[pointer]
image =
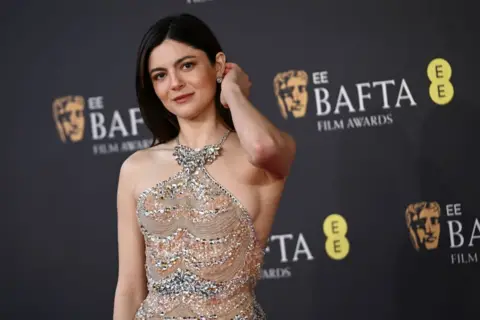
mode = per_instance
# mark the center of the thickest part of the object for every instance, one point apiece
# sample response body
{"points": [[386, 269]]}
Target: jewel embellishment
{"points": [[192, 159], [202, 258]]}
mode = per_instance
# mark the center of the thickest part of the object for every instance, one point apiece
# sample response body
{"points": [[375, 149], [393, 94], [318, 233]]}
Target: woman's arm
{"points": [[131, 285], [268, 147]]}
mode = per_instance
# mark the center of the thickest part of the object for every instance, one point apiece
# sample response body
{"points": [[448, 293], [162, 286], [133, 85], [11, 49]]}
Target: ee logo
{"points": [[439, 72], [337, 245]]}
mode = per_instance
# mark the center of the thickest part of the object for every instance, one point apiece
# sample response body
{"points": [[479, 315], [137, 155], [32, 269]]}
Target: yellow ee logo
{"points": [[337, 245], [439, 72]]}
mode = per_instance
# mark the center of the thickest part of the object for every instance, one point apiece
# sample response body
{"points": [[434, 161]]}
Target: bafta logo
{"points": [[290, 88], [423, 225], [68, 114]]}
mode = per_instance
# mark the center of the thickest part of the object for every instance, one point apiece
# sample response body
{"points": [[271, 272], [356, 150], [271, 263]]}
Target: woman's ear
{"points": [[220, 61]]}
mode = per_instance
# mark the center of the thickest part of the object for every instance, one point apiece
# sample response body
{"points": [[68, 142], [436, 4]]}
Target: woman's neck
{"points": [[197, 134]]}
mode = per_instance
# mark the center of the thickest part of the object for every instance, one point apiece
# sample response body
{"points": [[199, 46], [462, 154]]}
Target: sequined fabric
{"points": [[202, 256]]}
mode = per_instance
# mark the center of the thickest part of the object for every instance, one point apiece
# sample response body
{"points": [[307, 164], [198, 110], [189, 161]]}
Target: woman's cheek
{"points": [[161, 93]]}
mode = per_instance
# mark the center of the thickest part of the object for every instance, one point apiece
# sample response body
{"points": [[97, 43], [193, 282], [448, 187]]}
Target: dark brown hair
{"points": [[187, 29]]}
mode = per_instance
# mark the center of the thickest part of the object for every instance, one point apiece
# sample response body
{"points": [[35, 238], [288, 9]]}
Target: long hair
{"points": [[187, 29]]}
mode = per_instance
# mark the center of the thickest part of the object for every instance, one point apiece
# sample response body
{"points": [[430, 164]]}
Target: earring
{"points": [[219, 79]]}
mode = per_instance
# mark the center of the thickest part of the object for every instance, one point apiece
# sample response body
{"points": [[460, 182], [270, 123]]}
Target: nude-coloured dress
{"points": [[202, 256]]}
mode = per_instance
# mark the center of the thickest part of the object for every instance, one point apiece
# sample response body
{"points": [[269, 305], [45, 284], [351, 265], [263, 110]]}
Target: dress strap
{"points": [[192, 159], [220, 143]]}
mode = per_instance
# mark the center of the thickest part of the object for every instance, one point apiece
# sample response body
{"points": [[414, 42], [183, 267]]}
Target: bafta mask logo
{"points": [[423, 223], [291, 91], [68, 113]]}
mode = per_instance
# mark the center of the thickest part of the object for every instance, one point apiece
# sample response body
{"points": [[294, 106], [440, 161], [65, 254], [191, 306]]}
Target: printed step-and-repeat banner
{"points": [[380, 217]]}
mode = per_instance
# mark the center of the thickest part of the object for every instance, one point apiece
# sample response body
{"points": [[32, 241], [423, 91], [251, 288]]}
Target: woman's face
{"points": [[183, 78]]}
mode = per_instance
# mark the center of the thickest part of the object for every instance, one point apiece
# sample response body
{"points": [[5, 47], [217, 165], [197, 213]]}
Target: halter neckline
{"points": [[220, 143], [192, 159]]}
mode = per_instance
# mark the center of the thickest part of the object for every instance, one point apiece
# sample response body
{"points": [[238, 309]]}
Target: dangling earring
{"points": [[219, 79]]}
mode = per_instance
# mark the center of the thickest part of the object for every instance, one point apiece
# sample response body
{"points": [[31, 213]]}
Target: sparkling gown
{"points": [[202, 256]]}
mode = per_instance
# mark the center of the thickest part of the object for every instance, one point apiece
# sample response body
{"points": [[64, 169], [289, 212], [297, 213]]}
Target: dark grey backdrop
{"points": [[59, 221]]}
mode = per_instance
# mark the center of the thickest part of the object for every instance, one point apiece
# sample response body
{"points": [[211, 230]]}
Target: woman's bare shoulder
{"points": [[141, 160], [145, 168]]}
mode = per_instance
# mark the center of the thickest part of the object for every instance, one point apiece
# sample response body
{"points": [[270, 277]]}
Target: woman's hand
{"points": [[267, 147], [234, 78]]}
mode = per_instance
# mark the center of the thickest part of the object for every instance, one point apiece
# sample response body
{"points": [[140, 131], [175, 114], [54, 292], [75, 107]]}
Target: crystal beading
{"points": [[202, 255], [192, 159]]}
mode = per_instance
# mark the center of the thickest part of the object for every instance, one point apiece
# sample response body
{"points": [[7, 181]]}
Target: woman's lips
{"points": [[183, 98]]}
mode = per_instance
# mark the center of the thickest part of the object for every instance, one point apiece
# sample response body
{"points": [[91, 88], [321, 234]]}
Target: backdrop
{"points": [[380, 216]]}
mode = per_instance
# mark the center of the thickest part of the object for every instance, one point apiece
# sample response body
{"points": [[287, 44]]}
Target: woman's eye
{"points": [[159, 76], [188, 65]]}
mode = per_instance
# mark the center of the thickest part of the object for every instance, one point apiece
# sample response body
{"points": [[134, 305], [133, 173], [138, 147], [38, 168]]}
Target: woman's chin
{"points": [[189, 112]]}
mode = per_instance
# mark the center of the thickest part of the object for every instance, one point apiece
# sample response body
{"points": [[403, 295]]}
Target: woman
{"points": [[196, 208]]}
